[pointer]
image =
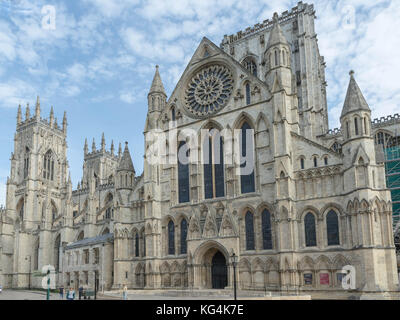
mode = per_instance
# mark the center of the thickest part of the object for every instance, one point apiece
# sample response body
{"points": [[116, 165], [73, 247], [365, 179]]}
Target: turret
{"points": [[125, 171], [156, 101], [112, 147], [358, 144], [93, 146], [119, 151], [278, 60]]}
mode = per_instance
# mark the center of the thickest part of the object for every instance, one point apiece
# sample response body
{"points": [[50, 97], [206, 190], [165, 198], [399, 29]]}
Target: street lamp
{"points": [[234, 260]]}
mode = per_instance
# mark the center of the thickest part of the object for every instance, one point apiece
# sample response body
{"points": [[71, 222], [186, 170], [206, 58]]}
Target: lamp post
{"points": [[30, 271], [234, 260], [48, 285]]}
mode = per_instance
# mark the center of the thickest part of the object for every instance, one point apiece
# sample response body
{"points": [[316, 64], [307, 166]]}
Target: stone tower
{"points": [[36, 189]]}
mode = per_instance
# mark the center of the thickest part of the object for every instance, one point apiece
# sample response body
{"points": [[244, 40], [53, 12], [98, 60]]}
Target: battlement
{"points": [[268, 24], [384, 121], [376, 123], [102, 151]]}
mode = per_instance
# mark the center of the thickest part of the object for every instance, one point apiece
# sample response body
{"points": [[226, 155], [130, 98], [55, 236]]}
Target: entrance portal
{"points": [[219, 271]]}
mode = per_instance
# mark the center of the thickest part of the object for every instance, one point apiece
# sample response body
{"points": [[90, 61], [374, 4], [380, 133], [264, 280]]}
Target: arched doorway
{"points": [[219, 271]]}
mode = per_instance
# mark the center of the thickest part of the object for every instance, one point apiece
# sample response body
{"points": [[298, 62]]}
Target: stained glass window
{"points": [[214, 182], [183, 172], [249, 221], [309, 225], [247, 159], [183, 236], [266, 230], [137, 245], [171, 237], [332, 227]]}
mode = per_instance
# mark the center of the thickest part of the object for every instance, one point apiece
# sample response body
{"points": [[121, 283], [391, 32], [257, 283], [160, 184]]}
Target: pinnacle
{"points": [[355, 100], [276, 35], [157, 85]]}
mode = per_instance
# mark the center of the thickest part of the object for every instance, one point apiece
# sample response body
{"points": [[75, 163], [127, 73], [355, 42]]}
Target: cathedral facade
{"points": [[239, 164]]}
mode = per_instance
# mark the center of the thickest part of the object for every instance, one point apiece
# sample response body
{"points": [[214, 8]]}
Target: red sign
{"points": [[324, 278]]}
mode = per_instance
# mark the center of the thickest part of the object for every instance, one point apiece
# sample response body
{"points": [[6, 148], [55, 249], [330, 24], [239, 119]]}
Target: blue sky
{"points": [[98, 62]]}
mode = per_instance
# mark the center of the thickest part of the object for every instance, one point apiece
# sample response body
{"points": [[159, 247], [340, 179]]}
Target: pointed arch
{"points": [[247, 161], [171, 238], [184, 231], [266, 228]]}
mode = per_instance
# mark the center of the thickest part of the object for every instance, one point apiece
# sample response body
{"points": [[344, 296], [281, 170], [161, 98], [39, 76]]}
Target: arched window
{"points": [[137, 243], [276, 58], [81, 236], [54, 212], [283, 57], [183, 236], [250, 65], [247, 183], [183, 172], [173, 115], [348, 129], [302, 163], [48, 166], [326, 161], [171, 237], [336, 147], [383, 139], [266, 230], [332, 228], [213, 150], [22, 210], [309, 228], [365, 125], [315, 162], [356, 126], [248, 94], [26, 163], [249, 222]]}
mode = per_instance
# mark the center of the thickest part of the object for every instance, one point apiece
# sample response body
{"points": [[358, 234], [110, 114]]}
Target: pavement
{"points": [[26, 295]]}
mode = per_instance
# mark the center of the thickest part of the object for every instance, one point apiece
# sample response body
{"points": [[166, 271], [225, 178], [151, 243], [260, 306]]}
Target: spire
{"points": [[93, 146], [51, 116], [37, 109], [126, 161], [112, 147], [157, 85], [64, 123], [355, 100], [276, 36], [55, 123], [119, 150], [19, 115], [103, 143], [27, 112], [85, 148]]}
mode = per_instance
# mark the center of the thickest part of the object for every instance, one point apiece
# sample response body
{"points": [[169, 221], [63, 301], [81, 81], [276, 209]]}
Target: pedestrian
{"points": [[125, 293], [71, 294], [62, 292], [80, 292]]}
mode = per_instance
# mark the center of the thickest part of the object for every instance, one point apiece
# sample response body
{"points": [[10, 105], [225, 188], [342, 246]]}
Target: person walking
{"points": [[125, 293], [71, 294], [80, 292], [61, 292]]}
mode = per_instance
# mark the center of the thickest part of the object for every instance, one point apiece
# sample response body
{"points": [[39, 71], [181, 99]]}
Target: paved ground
{"points": [[26, 295]]}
